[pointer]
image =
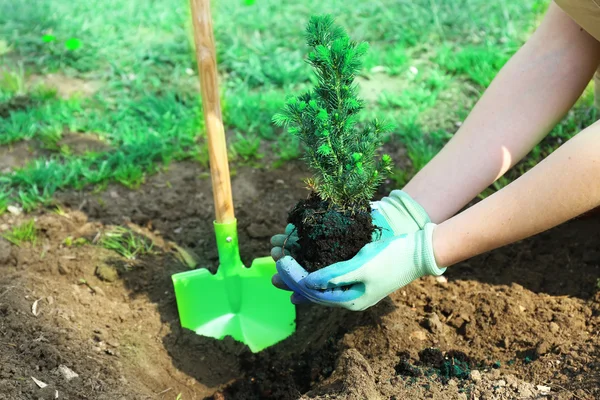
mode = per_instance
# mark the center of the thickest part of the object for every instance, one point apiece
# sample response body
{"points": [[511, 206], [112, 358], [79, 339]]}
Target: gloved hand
{"points": [[378, 269], [373, 273], [395, 214]]}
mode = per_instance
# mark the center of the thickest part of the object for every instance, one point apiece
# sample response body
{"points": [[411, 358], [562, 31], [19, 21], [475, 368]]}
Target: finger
{"points": [[290, 229], [347, 272], [278, 240], [321, 279], [277, 253], [291, 273], [336, 297], [297, 298], [279, 283], [281, 239]]}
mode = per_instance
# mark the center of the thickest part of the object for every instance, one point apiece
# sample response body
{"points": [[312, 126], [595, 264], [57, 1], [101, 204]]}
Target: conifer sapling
{"points": [[334, 223]]}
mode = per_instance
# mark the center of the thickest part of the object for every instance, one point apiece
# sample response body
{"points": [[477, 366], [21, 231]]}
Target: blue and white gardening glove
{"points": [[378, 269], [402, 255]]}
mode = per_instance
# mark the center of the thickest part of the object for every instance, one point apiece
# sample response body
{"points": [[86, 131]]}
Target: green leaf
{"points": [[280, 119], [356, 157], [322, 115], [48, 38], [72, 44], [324, 150]]}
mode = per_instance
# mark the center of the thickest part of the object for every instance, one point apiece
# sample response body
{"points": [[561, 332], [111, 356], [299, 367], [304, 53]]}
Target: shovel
{"points": [[236, 301]]}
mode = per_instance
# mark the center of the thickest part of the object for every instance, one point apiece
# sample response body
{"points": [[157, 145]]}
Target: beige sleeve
{"points": [[586, 13]]}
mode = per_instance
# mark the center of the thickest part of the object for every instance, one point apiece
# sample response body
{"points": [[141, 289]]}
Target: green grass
{"points": [[435, 58], [126, 243], [24, 233]]}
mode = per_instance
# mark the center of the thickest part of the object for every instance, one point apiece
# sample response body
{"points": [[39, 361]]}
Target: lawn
{"points": [[124, 76]]}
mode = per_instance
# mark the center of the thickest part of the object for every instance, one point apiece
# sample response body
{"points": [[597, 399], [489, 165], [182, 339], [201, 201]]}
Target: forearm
{"points": [[529, 96], [563, 186]]}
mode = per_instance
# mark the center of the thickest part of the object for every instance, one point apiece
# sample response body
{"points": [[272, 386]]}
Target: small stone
{"points": [[494, 374], [40, 384], [542, 348], [63, 269], [113, 194], [419, 335], [50, 300], [511, 381], [475, 375], [554, 328], [433, 323], [452, 382], [14, 210], [67, 372], [4, 227], [500, 383], [526, 390], [543, 389], [522, 308], [258, 231], [113, 343], [468, 331], [441, 279], [107, 273], [279, 181], [98, 291]]}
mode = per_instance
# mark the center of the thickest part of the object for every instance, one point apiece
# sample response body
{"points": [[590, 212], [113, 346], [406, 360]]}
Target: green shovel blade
{"points": [[236, 301]]}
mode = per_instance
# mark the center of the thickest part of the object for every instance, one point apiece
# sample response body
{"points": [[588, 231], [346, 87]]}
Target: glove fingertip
{"points": [[279, 283], [290, 267], [297, 299], [289, 229], [276, 253], [278, 240]]}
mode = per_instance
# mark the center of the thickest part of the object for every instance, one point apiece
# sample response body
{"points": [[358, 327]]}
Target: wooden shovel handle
{"points": [[211, 106]]}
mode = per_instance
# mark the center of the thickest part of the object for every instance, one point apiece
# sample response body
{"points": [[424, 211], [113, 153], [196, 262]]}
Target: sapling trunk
{"points": [[334, 223]]}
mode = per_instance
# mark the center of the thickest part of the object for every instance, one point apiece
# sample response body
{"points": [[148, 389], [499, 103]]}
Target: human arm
{"points": [[531, 93], [561, 187]]}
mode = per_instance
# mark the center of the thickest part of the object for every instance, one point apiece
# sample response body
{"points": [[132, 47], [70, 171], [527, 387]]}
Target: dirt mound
{"points": [[521, 322]]}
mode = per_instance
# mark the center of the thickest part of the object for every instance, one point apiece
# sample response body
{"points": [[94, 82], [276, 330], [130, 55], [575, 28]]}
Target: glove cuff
{"points": [[398, 208], [430, 267]]}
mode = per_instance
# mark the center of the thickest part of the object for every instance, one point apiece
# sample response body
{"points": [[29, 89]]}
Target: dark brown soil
{"points": [[327, 235], [506, 325]]}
